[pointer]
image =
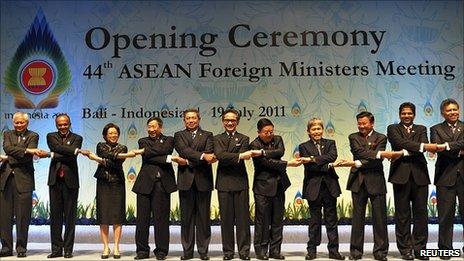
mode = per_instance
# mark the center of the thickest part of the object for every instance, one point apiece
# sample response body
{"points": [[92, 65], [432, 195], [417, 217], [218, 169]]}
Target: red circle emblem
{"points": [[37, 77]]}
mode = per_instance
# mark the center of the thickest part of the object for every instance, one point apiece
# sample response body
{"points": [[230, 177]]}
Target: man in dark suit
{"points": [[367, 182], [195, 183], [320, 188], [17, 184], [269, 185], [154, 185], [231, 149], [410, 179], [449, 170], [63, 182]]}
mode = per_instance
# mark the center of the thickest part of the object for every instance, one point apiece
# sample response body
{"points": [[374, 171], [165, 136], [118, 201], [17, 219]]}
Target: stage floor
{"points": [[88, 246]]}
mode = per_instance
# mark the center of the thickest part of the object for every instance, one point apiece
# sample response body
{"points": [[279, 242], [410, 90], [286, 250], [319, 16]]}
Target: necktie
{"points": [[61, 170], [408, 129], [453, 128], [193, 135], [318, 147]]}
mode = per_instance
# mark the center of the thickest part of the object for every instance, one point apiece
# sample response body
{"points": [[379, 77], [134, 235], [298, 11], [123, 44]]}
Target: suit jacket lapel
{"points": [[447, 129], [413, 131], [458, 133]]}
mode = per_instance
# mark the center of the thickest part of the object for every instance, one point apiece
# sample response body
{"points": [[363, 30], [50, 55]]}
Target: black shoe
{"points": [[310, 256], [419, 257], [104, 256], [262, 257], [445, 257], [204, 257], [185, 257], [21, 255], [353, 257], [160, 256], [407, 256], [243, 257], [55, 254], [6, 253], [116, 256], [141, 256], [381, 258], [336, 256], [68, 255], [228, 257], [277, 256]]}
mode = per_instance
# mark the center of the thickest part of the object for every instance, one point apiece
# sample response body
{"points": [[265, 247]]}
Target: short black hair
{"points": [[367, 114], [192, 110], [263, 123], [157, 119], [62, 114], [107, 127], [447, 102], [407, 105], [231, 110]]}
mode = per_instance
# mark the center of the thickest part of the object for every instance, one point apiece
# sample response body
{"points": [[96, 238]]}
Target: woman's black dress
{"points": [[111, 191]]}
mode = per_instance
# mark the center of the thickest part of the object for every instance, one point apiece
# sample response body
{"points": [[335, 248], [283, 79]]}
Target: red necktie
{"points": [[61, 170]]}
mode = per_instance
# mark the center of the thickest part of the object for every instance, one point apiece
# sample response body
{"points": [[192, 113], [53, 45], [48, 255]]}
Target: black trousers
{"points": [[410, 197], [195, 209], [158, 204], [63, 207], [329, 203], [379, 222], [234, 210], [269, 217], [446, 205], [18, 204]]}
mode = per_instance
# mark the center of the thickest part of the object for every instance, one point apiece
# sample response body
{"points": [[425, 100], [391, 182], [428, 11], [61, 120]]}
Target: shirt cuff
{"points": [[447, 146], [357, 164], [378, 156], [168, 158], [421, 149], [406, 153], [52, 154], [76, 151], [202, 155]]}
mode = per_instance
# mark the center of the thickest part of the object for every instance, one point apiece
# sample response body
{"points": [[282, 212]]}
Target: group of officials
{"points": [[197, 149]]}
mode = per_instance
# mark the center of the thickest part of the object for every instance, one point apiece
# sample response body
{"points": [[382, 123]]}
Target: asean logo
{"points": [[38, 72], [37, 77]]}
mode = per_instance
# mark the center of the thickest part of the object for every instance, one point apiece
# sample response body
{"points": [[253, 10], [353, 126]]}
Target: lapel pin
{"points": [[24, 138], [161, 141], [68, 142], [236, 139]]}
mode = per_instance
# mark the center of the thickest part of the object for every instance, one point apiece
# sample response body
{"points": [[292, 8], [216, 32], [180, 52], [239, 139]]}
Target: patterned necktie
{"points": [[318, 147], [61, 170]]}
